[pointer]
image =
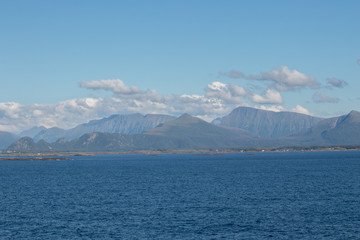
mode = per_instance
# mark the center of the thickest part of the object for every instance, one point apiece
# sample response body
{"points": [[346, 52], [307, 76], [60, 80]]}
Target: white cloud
{"points": [[65, 114], [335, 82], [281, 78], [115, 85], [8, 128], [274, 108], [229, 93], [322, 98], [237, 90], [300, 109], [10, 109], [218, 99], [37, 112], [285, 79], [270, 97], [278, 108]]}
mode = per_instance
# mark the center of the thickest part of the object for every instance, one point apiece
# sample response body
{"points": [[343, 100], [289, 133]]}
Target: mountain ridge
{"points": [[185, 132], [268, 124], [188, 132], [342, 130], [124, 124]]}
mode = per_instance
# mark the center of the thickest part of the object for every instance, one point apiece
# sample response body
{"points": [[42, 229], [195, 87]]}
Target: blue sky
{"points": [[67, 62]]}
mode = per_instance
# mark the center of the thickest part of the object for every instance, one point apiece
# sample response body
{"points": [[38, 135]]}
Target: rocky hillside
{"points": [[267, 124], [27, 144]]}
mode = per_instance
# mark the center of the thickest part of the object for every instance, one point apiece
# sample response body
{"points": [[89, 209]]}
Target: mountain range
{"points": [[123, 124], [242, 128], [343, 130], [185, 132]]}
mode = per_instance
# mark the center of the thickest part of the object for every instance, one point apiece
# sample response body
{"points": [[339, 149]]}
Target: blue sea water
{"points": [[311, 195]]}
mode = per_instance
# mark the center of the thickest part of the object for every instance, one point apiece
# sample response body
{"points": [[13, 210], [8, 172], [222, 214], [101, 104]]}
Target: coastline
{"points": [[27, 158], [65, 155]]}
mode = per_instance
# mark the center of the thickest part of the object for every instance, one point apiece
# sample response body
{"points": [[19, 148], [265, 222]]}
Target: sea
{"points": [[260, 195]]}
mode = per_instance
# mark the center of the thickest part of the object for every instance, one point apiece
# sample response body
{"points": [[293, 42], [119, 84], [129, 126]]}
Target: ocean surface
{"points": [[296, 195]]}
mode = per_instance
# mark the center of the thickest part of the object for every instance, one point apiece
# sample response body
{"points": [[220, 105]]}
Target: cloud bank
{"points": [[217, 100]]}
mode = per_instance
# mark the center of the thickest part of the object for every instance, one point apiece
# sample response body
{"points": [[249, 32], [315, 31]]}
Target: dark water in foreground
{"points": [[185, 196]]}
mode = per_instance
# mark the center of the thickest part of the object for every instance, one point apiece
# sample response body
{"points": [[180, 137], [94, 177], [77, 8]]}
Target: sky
{"points": [[63, 63]]}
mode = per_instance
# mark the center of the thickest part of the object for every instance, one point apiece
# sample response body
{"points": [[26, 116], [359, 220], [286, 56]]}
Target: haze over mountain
{"points": [[187, 132], [32, 132], [6, 139], [267, 124], [50, 134], [123, 124]]}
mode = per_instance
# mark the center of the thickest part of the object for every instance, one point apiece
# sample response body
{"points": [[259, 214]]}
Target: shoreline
{"points": [[64, 155], [27, 158]]}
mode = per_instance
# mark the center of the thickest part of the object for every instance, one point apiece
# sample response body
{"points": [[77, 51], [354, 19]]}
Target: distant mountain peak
{"points": [[354, 113], [32, 132], [266, 123], [353, 116], [187, 116], [186, 119]]}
